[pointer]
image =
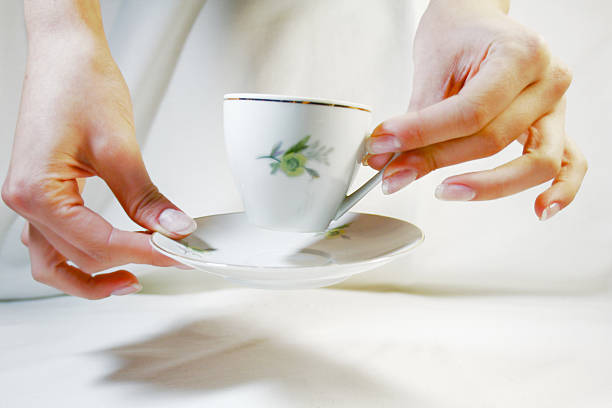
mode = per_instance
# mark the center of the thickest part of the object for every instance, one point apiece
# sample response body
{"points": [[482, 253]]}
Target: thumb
{"points": [[129, 181]]}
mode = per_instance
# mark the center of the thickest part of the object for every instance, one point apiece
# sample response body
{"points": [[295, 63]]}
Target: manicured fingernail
{"points": [[549, 211], [454, 192], [383, 144], [398, 180], [176, 222], [365, 159], [127, 290]]}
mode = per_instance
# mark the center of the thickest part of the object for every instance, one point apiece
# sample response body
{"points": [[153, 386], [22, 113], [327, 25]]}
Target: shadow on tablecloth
{"points": [[224, 354]]}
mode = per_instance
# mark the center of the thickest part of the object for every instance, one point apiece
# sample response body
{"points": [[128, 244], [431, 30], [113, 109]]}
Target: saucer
{"points": [[227, 245]]}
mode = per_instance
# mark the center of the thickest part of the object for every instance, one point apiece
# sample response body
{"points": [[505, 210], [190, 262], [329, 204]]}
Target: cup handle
{"points": [[352, 199]]}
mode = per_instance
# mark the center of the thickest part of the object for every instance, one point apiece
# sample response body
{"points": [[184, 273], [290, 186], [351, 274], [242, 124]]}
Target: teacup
{"points": [[294, 158]]}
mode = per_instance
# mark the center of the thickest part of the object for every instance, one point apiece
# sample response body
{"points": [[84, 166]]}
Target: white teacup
{"points": [[294, 158]]}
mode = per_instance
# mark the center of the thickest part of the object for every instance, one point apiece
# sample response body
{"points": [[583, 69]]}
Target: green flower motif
{"points": [[293, 161], [292, 164], [190, 248], [339, 231]]}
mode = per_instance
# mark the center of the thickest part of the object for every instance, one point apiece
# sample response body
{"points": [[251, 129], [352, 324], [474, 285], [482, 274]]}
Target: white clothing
{"points": [[180, 58], [443, 327]]}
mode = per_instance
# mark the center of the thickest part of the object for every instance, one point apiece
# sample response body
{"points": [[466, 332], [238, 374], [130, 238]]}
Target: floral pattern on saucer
{"points": [[229, 246], [293, 161], [193, 246], [339, 231]]}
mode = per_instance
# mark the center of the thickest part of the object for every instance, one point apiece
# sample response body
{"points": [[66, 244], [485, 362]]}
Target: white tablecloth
{"points": [[537, 334], [320, 348]]}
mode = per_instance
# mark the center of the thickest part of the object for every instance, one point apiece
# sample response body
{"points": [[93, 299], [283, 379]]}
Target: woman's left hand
{"points": [[482, 81]]}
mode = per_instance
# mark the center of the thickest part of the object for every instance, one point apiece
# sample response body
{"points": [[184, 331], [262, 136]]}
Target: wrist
{"points": [[481, 5], [66, 24]]}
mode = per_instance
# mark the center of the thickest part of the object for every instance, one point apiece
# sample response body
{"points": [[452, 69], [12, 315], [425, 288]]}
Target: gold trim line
{"points": [[302, 102]]}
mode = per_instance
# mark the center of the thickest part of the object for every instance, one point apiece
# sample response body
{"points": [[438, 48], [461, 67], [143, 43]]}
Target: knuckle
{"points": [[492, 141], [100, 254], [549, 165], [25, 240], [422, 160], [106, 148], [535, 50], [26, 196], [142, 207], [474, 115], [562, 78], [417, 133], [17, 194], [116, 148], [529, 49], [40, 275], [583, 164], [100, 259], [429, 159]]}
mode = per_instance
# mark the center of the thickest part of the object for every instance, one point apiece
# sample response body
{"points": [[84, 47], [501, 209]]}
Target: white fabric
{"points": [[321, 348], [453, 338], [341, 50]]}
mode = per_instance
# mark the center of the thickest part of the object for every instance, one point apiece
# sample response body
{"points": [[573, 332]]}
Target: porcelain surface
{"points": [[227, 245], [293, 159]]}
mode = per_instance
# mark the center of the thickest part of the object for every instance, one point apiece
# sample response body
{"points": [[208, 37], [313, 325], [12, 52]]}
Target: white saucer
{"points": [[228, 246]]}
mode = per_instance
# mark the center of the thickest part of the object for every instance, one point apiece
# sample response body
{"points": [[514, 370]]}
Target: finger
{"points": [[534, 102], [25, 236], [377, 161], [81, 184], [60, 209], [50, 267], [121, 253], [565, 186], [120, 164], [499, 80], [540, 162]]}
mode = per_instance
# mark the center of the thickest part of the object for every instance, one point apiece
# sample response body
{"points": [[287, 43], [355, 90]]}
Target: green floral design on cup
{"points": [[292, 164], [293, 161]]}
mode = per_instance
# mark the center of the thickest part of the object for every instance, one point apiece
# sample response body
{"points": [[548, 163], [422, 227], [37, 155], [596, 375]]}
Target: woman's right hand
{"points": [[76, 121]]}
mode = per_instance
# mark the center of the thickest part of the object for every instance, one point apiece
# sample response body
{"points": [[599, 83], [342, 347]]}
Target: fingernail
{"points": [[454, 192], [550, 211], [176, 222], [383, 144], [365, 159], [127, 290], [398, 180]]}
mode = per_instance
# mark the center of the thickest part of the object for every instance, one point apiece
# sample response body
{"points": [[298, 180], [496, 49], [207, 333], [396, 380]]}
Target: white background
{"points": [[493, 311]]}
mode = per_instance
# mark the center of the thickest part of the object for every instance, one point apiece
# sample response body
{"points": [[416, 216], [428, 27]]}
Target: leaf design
{"points": [[318, 153], [274, 166], [299, 146], [341, 227], [276, 149], [191, 248], [313, 173], [338, 231], [293, 161]]}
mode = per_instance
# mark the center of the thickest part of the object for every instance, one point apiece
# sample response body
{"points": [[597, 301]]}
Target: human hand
{"points": [[76, 121], [481, 81]]}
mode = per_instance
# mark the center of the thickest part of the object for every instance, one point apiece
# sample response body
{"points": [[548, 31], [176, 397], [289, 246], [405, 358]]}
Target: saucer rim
{"points": [[382, 258]]}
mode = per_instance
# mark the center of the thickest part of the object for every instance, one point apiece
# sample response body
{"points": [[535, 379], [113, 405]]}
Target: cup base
{"points": [[289, 228]]}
